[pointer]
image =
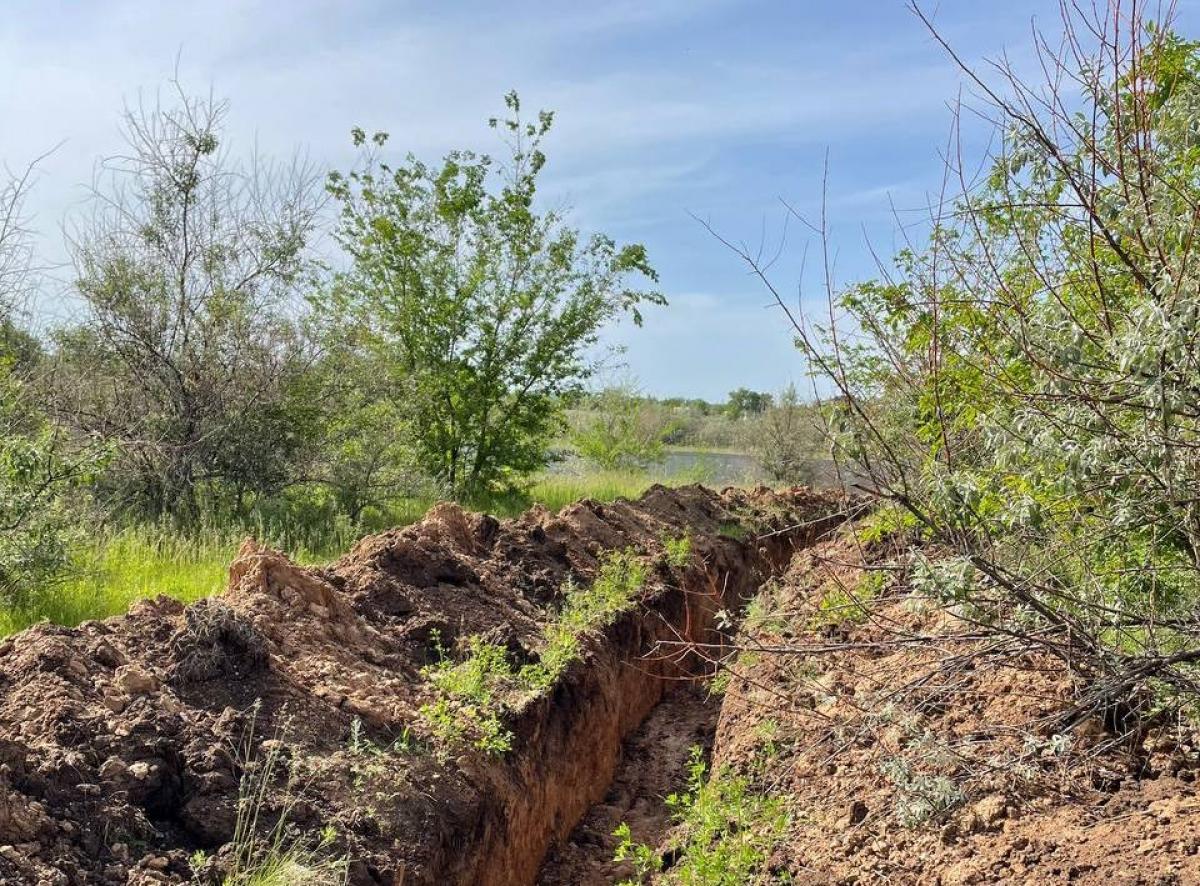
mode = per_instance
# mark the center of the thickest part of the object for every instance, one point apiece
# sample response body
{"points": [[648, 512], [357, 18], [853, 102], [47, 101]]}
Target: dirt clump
{"points": [[123, 743]]}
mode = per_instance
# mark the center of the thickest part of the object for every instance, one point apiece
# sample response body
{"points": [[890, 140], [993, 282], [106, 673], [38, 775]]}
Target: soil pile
{"points": [[909, 750], [124, 742]]}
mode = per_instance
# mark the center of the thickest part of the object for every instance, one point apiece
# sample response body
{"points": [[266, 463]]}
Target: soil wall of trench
{"points": [[570, 741], [123, 743]]}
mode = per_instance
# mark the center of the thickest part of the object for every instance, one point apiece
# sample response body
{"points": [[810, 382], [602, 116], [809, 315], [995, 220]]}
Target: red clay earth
{"points": [[653, 765], [123, 742], [861, 732]]}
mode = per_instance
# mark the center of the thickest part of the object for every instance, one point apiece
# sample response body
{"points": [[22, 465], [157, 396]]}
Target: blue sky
{"points": [[665, 109]]}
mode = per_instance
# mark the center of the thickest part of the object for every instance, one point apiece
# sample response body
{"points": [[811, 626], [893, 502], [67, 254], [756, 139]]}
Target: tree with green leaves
{"points": [[744, 402], [188, 271], [484, 308], [621, 429], [38, 464], [787, 438]]}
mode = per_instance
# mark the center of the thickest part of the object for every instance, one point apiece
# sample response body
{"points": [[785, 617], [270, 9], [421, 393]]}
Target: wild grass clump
{"points": [[278, 857]]}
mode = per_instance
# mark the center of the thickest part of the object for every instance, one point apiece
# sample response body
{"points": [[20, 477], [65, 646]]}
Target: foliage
{"points": [[38, 465], [622, 431], [678, 551], [920, 797], [840, 604], [744, 402], [1023, 387], [484, 309], [472, 694], [729, 830], [184, 352], [787, 438]]}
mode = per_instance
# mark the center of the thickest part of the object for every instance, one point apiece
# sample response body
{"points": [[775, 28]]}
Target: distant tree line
{"points": [[620, 427]]}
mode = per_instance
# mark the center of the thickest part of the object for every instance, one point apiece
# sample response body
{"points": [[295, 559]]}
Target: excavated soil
{"points": [[943, 762], [123, 743]]}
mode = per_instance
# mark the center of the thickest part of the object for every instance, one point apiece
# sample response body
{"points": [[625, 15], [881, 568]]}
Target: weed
{"points": [[763, 612], [733, 529], [678, 551], [279, 859], [841, 605], [728, 831], [884, 521], [920, 798], [473, 685], [474, 692]]}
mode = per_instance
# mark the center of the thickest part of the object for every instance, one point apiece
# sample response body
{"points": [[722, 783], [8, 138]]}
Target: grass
{"points": [[116, 569], [266, 854]]}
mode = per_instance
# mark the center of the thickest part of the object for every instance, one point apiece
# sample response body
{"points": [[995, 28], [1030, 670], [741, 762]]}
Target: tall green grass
{"points": [[117, 568]]}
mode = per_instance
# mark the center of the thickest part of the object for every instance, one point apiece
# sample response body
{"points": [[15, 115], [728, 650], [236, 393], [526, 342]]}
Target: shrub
{"points": [[728, 831]]}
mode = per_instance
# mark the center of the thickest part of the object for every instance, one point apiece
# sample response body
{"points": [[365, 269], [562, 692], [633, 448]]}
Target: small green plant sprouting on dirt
{"points": [[467, 697], [764, 613], [474, 693], [678, 551], [733, 529], [920, 798], [728, 831], [883, 521], [361, 745], [840, 604], [368, 759]]}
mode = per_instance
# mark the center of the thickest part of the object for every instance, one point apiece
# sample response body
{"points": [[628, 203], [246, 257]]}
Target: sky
{"points": [[668, 113]]}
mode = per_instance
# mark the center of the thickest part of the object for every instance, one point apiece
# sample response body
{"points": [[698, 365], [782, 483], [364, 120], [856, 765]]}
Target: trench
{"points": [[613, 738], [653, 765]]}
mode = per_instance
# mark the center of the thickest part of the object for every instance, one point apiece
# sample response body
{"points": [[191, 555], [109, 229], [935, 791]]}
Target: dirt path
{"points": [[653, 764]]}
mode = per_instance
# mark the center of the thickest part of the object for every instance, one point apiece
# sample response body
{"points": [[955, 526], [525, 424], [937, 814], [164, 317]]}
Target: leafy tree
{"points": [[484, 309], [362, 451], [787, 439], [744, 402], [187, 272], [621, 430]]}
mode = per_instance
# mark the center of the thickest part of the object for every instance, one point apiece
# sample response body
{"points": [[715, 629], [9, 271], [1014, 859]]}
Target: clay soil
{"points": [[123, 743], [653, 765], [942, 762]]}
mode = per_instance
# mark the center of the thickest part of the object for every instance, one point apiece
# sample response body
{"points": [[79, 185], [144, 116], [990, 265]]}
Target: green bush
{"points": [[728, 829]]}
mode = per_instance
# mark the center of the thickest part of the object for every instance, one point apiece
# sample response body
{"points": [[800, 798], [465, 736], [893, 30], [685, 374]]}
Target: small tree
{"points": [[788, 439], [485, 309], [186, 272], [621, 430]]}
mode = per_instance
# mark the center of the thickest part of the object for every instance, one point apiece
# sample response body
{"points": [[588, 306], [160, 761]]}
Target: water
{"points": [[694, 465]]}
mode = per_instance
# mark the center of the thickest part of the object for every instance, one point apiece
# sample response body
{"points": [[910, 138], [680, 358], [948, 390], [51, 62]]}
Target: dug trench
{"points": [[126, 746]]}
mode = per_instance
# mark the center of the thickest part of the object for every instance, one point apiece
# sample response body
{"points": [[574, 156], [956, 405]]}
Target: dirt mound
{"points": [[124, 742], [947, 762]]}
